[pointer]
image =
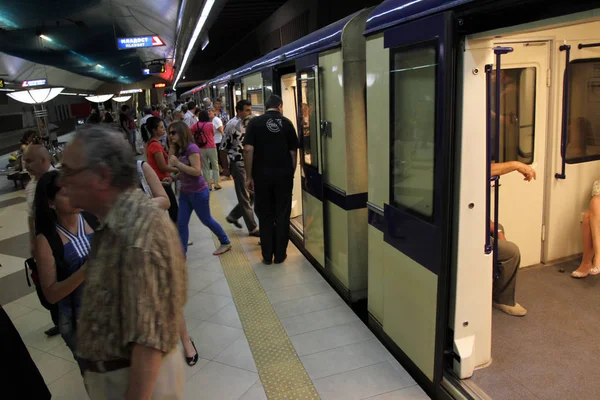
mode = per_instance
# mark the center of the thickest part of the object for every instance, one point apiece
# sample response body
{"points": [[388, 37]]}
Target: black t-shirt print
{"points": [[273, 137]]}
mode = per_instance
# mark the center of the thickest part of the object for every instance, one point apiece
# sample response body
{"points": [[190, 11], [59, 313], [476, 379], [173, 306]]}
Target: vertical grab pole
{"points": [[498, 51], [565, 114], [488, 156]]}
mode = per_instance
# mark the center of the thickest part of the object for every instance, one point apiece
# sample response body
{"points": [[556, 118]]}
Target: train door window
{"points": [[256, 98], [238, 92], [413, 87], [310, 134], [583, 142], [517, 114]]}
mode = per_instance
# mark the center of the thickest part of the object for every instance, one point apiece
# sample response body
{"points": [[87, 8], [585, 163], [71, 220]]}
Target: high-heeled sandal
{"points": [[191, 361]]}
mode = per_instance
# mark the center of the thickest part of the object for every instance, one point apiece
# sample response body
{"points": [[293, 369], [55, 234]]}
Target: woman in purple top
{"points": [[194, 193]]}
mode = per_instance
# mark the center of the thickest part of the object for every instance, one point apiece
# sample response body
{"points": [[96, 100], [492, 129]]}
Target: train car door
{"points": [[523, 137], [307, 76], [411, 116]]}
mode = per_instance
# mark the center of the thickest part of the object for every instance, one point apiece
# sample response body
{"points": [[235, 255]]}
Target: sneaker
{"points": [[255, 233], [234, 222], [267, 262], [516, 311], [190, 243], [52, 331]]}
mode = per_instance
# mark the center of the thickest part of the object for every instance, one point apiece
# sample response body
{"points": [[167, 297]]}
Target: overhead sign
{"points": [[138, 42], [160, 85], [130, 91], [35, 82]]}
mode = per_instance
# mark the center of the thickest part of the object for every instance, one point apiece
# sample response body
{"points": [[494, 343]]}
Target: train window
{"points": [[267, 88], [517, 114], [413, 87], [310, 134], [583, 133], [256, 98]]}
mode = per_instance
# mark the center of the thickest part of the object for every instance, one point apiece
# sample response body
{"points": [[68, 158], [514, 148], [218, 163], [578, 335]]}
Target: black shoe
{"points": [[234, 222], [280, 261], [52, 331], [267, 262], [191, 361], [255, 233]]}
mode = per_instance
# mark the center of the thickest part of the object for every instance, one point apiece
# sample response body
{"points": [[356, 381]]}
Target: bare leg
{"points": [[188, 347], [588, 248], [595, 228]]}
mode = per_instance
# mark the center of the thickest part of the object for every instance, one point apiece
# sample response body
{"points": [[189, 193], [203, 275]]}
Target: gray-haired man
{"points": [[135, 283]]}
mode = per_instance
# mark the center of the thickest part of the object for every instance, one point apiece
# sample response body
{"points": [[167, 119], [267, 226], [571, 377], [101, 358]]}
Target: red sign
{"points": [[160, 85], [156, 41]]}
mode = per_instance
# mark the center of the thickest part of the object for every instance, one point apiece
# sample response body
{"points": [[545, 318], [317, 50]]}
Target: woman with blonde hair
{"points": [[194, 194]]}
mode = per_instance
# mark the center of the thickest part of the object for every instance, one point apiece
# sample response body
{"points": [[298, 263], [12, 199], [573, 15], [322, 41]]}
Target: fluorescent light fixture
{"points": [[199, 25], [121, 99], [205, 43], [99, 66], [83, 94], [35, 96], [68, 94], [45, 38], [7, 90], [99, 98], [130, 91]]}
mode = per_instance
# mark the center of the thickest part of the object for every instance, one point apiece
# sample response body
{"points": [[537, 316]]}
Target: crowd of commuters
{"points": [[109, 235]]}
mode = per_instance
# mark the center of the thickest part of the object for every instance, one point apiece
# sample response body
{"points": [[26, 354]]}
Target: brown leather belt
{"points": [[105, 366]]}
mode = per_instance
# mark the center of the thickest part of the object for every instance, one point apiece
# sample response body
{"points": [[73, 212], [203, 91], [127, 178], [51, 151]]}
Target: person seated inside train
{"points": [[509, 256], [590, 235]]}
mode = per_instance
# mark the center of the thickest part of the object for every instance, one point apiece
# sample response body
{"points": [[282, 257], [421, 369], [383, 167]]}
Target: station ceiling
{"points": [[80, 36]]}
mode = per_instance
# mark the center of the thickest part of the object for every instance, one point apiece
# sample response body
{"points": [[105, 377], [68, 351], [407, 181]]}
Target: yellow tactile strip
{"points": [[279, 367]]}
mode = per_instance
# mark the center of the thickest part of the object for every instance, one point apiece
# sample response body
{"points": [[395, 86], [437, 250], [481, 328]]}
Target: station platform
{"points": [[262, 332]]}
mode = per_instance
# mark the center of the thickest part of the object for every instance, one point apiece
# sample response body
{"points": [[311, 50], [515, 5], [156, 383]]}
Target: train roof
{"points": [[395, 12], [315, 42]]}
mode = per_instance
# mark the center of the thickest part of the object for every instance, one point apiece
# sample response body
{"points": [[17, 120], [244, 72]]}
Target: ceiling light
{"points": [[130, 91], [121, 99], [199, 25], [83, 94], [35, 96], [68, 94], [99, 98], [99, 66], [45, 38], [7, 90]]}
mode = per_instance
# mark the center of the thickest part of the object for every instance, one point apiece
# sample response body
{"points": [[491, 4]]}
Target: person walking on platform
{"points": [[194, 194], [270, 157], [136, 277], [232, 146]]}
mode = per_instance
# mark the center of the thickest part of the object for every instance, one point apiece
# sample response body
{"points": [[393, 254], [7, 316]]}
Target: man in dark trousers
{"points": [[270, 157]]}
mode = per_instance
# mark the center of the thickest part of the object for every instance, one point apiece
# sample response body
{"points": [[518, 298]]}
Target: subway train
{"points": [[401, 110]]}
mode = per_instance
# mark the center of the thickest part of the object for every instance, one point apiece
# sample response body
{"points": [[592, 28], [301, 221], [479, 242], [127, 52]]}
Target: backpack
{"points": [[199, 136], [61, 267]]}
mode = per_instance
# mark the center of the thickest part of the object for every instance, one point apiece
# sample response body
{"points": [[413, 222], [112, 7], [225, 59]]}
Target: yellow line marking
{"points": [[279, 367]]}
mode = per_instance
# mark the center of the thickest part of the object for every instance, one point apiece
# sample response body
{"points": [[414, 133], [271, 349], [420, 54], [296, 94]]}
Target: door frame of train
{"points": [[430, 242], [312, 177]]}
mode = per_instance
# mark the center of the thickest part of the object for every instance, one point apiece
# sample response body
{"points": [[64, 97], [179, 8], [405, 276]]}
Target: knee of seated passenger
{"points": [[508, 251]]}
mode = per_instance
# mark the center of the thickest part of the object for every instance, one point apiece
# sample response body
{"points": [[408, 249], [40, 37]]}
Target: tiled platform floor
{"points": [[342, 357]]}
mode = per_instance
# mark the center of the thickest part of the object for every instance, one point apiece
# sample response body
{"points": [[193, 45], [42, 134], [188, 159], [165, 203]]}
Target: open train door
{"points": [[308, 115], [410, 114]]}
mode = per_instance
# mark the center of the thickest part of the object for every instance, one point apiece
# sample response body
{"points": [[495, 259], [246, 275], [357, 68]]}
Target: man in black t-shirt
{"points": [[270, 157]]}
